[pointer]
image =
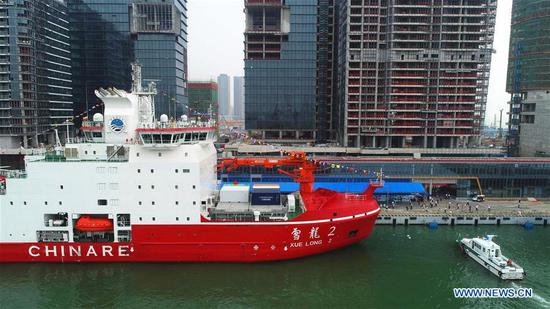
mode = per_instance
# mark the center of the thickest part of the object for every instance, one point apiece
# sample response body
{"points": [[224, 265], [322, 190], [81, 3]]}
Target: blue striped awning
{"points": [[355, 187]]}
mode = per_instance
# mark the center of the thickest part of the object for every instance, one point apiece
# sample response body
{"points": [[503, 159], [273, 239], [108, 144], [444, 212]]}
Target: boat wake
{"points": [[536, 297]]}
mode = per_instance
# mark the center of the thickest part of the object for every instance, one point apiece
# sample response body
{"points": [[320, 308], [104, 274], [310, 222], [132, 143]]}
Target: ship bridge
{"points": [[176, 133]]}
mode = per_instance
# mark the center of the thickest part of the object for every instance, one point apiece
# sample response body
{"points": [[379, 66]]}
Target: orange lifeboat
{"points": [[90, 224]]}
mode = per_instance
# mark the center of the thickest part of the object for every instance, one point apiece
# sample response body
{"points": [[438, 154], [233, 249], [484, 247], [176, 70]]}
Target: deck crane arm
{"points": [[303, 173]]}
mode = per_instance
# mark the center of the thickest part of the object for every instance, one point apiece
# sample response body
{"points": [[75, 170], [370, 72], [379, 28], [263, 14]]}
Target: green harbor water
{"points": [[397, 267]]}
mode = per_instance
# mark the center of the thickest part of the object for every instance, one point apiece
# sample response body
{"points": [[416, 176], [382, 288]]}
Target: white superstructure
{"points": [[130, 168], [488, 254]]}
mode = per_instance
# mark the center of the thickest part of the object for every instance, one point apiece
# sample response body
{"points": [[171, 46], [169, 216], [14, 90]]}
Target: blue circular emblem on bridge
{"points": [[117, 125]]}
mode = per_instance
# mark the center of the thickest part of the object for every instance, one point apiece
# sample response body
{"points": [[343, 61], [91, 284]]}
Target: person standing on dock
{"points": [[469, 207], [519, 204], [477, 207]]}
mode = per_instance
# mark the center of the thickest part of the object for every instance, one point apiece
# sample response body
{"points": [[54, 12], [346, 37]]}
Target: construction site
{"points": [[416, 73]]}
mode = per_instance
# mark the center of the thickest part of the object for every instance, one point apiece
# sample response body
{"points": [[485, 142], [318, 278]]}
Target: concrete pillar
{"points": [[25, 141]]}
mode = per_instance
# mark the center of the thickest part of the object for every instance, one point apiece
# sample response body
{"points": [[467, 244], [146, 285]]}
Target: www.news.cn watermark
{"points": [[493, 293]]}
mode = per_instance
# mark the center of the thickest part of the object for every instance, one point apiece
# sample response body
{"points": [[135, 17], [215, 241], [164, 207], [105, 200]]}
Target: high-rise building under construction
{"points": [[413, 73], [370, 73]]}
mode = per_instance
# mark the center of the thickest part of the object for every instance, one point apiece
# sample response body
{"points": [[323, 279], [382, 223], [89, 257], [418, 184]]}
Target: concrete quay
{"points": [[464, 212]]}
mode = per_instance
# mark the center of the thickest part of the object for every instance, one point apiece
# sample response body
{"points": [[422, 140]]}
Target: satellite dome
{"points": [[98, 117], [163, 118]]}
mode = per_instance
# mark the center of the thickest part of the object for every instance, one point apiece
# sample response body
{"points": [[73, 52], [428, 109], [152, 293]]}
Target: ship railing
{"points": [[355, 197], [65, 160], [13, 173], [178, 124]]}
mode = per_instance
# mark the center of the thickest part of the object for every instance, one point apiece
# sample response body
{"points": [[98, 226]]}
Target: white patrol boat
{"points": [[488, 254]]}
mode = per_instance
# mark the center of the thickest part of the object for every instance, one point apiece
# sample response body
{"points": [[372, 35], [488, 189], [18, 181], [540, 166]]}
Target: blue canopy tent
{"points": [[390, 188]]}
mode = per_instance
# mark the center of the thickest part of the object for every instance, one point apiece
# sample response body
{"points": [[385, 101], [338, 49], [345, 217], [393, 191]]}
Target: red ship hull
{"points": [[207, 242]]}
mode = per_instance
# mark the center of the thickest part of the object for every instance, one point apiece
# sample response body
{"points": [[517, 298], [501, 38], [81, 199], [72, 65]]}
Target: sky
{"points": [[215, 34]]}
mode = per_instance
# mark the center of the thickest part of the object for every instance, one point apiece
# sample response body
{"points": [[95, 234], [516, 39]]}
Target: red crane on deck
{"points": [[303, 174]]}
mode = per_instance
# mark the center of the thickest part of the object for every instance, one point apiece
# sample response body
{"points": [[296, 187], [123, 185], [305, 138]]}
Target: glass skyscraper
{"points": [[35, 71], [107, 35], [224, 95], [238, 97], [281, 68], [101, 49], [528, 79], [159, 36]]}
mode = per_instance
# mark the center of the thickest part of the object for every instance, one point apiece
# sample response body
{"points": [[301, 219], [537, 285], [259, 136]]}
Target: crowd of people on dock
{"points": [[446, 205]]}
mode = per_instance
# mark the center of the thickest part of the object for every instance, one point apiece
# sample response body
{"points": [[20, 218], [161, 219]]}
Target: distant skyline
{"points": [[216, 46]]}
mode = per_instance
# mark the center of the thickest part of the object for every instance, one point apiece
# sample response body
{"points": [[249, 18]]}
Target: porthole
{"points": [[187, 218], [153, 203], [177, 203], [140, 218], [61, 187], [24, 203], [177, 218], [176, 187], [153, 218], [139, 170]]}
